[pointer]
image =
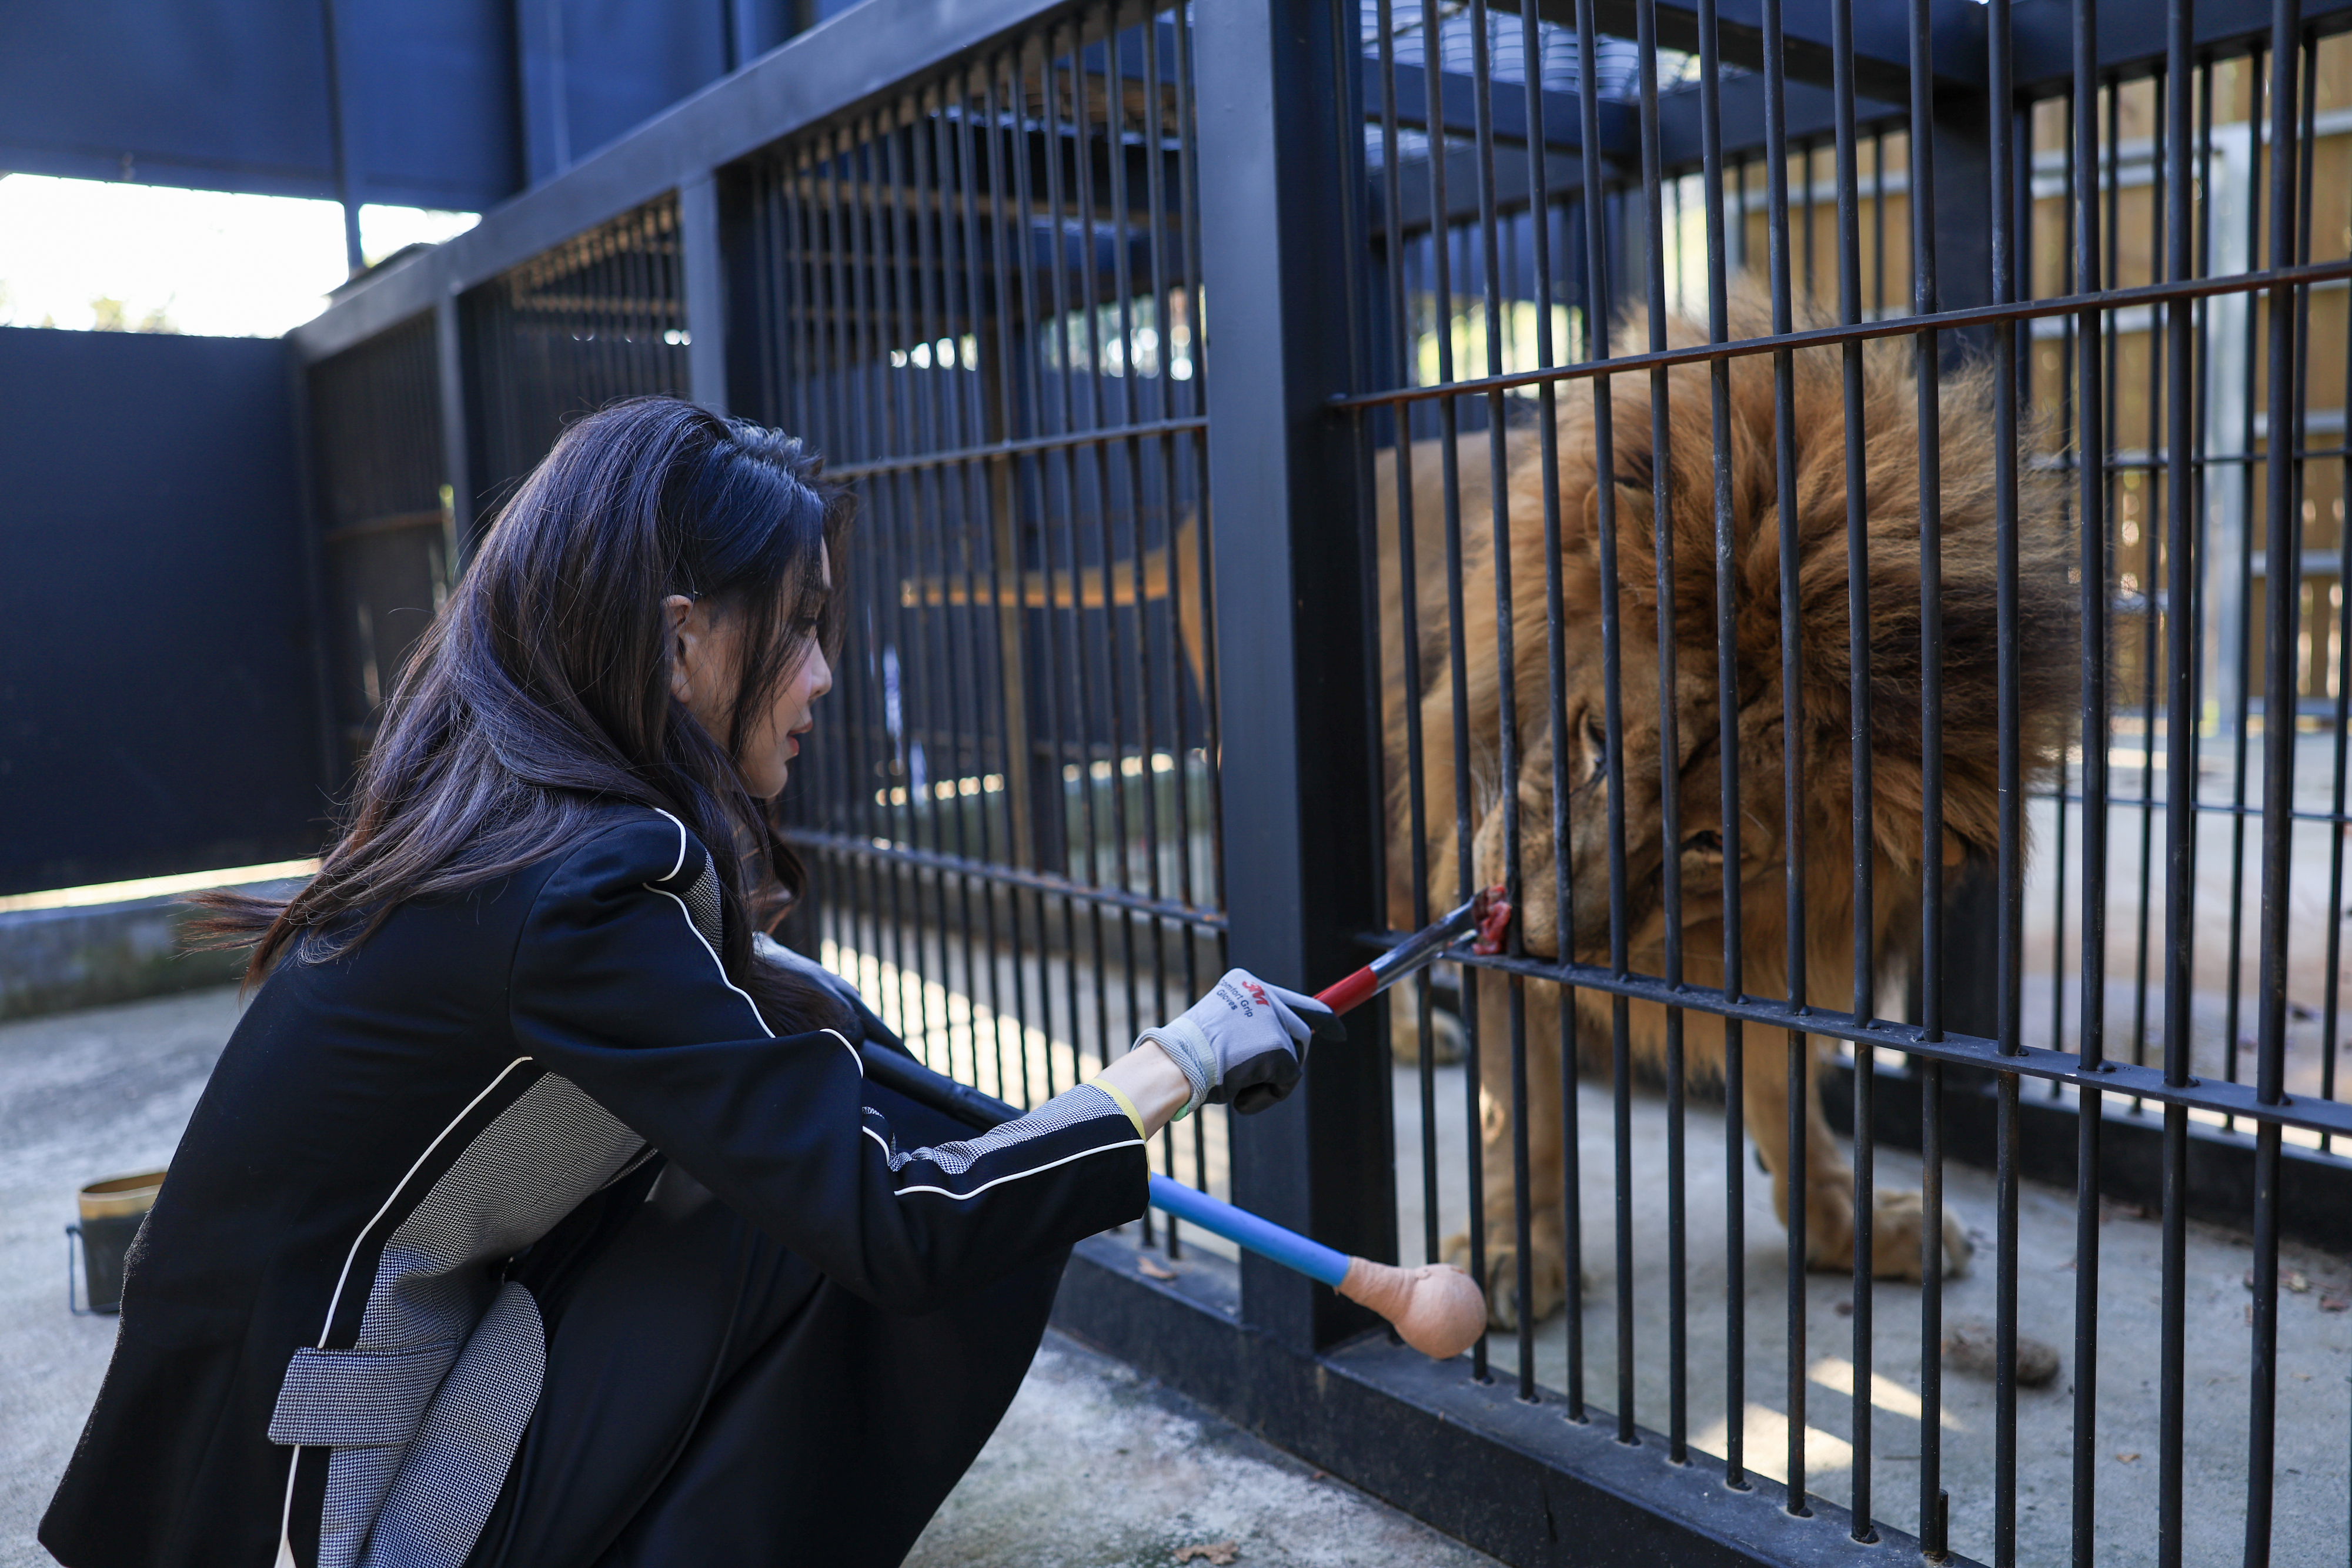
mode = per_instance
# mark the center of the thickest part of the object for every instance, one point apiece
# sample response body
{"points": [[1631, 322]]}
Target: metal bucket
{"points": [[112, 1212]]}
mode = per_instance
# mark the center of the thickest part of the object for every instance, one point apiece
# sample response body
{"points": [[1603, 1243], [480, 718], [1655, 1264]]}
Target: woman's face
{"points": [[705, 669]]}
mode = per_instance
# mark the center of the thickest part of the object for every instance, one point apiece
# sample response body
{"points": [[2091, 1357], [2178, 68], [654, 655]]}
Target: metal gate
{"points": [[1509, 475]]}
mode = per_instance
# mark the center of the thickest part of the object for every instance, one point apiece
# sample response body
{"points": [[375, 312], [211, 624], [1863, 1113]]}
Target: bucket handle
{"points": [[73, 1298]]}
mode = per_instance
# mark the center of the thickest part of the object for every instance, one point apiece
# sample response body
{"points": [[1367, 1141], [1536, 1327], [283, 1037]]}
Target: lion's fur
{"points": [[1970, 729]]}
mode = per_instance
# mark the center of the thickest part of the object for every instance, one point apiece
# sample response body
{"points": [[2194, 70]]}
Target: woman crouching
{"points": [[536, 1214]]}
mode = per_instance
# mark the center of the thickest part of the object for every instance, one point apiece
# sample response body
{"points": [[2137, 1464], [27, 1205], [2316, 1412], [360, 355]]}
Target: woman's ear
{"points": [[686, 630]]}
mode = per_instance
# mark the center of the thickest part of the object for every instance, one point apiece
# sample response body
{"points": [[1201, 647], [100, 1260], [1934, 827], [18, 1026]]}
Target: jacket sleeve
{"points": [[617, 987]]}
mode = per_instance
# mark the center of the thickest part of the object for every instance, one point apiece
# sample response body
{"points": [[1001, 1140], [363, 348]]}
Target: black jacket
{"points": [[330, 1343]]}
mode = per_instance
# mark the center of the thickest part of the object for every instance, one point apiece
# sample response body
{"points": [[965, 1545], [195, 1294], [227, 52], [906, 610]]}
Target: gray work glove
{"points": [[1244, 1043]]}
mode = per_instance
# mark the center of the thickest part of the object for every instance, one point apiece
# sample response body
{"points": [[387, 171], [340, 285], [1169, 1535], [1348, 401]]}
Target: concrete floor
{"points": [[1093, 1467], [1097, 1468], [2315, 1404]]}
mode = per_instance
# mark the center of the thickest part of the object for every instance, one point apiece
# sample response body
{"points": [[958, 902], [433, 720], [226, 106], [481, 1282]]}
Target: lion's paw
{"points": [[1548, 1282], [1895, 1252]]}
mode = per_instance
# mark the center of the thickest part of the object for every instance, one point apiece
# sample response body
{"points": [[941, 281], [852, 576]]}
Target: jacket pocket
{"points": [[358, 1398]]}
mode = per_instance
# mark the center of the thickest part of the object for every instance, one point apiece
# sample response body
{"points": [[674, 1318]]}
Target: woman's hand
{"points": [[1244, 1043]]}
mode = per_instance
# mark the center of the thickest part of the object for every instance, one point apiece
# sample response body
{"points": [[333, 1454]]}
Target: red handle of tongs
{"points": [[1345, 996], [1489, 911]]}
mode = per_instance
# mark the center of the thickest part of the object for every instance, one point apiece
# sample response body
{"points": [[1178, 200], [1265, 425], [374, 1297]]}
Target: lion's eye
{"points": [[1596, 748], [1707, 843]]}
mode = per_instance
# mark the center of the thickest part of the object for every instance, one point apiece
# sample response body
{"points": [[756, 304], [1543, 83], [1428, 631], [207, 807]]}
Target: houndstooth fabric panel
{"points": [[451, 1474], [702, 903], [357, 1398], [1084, 1103], [529, 1168]]}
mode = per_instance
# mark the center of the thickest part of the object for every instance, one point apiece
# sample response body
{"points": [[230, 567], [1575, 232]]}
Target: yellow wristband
{"points": [[1125, 1104]]}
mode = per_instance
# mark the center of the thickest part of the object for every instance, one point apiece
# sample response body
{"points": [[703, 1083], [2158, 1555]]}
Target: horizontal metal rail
{"points": [[845, 845], [1862, 331], [2308, 1112], [998, 451]]}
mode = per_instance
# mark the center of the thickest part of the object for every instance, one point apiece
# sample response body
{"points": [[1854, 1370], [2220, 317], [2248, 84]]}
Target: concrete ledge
{"points": [[52, 960]]}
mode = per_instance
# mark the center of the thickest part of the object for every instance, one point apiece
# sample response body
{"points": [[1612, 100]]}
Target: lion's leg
{"points": [[1405, 1022], [1405, 1026], [1547, 1255], [1897, 1218], [1829, 1180]]}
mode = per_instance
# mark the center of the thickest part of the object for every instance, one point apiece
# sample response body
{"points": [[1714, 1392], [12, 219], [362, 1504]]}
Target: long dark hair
{"points": [[542, 690]]}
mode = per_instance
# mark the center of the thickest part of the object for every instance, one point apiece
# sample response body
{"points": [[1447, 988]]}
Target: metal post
{"points": [[1298, 823], [457, 429], [541, 89], [339, 137], [705, 268]]}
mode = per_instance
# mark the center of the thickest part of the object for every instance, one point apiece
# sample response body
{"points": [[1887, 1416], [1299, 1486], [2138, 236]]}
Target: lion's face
{"points": [[1698, 841]]}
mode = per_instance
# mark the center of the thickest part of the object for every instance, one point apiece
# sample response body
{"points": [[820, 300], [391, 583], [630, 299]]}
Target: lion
{"points": [[2047, 649]]}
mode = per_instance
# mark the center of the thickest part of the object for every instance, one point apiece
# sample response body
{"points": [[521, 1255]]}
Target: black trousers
{"points": [[711, 1399]]}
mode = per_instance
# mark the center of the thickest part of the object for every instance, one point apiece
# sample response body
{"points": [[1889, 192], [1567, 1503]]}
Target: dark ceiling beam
{"points": [[1513, 188], [2131, 35], [1457, 108], [1811, 110], [1882, 47]]}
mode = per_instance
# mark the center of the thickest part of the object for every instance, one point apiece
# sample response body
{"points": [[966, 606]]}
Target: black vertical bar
{"points": [[1490, 282], [1739, 182], [1556, 650], [1458, 671], [1864, 842], [2090, 493], [1392, 244], [2244, 650], [877, 269], [877, 259], [1018, 352], [1189, 195], [926, 520], [2066, 392], [1791, 1181], [1812, 292], [1925, 302], [1727, 707], [1669, 746], [2180, 789], [1877, 223], [978, 534], [949, 527], [1613, 728], [1003, 494], [1072, 742], [2001, 122], [1295, 813], [705, 286], [1098, 454], [458, 465], [2148, 601], [1033, 478], [2282, 544], [1155, 237]]}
